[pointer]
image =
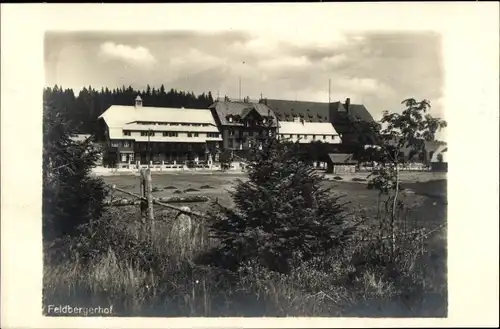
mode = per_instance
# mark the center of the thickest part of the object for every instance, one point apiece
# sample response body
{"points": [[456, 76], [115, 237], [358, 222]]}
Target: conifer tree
{"points": [[71, 196], [281, 216]]}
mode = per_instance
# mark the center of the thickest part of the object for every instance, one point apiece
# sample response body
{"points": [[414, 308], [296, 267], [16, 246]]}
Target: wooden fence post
{"points": [[143, 194], [149, 196]]}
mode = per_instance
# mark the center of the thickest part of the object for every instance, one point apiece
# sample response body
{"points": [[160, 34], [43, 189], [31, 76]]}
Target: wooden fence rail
{"points": [[160, 203], [147, 199]]}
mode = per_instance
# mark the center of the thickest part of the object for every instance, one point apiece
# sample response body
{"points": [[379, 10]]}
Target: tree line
{"points": [[82, 110]]}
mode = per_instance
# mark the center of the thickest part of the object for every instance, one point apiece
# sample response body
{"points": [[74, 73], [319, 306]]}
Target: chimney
{"points": [[138, 101], [347, 103]]}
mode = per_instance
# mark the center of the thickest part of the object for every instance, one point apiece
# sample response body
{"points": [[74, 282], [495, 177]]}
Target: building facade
{"points": [[306, 132], [154, 134], [351, 122], [243, 124]]}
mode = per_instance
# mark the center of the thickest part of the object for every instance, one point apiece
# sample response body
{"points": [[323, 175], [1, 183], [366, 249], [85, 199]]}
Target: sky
{"points": [[378, 70]]}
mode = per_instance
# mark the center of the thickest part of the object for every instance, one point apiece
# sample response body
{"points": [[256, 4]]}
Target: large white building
{"points": [[306, 132], [140, 133]]}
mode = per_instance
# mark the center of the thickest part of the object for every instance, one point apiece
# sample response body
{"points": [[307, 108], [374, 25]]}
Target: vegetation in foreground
{"points": [[288, 248]]}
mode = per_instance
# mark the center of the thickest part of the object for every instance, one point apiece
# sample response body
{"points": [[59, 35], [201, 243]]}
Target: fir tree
{"points": [[281, 216], [71, 197]]}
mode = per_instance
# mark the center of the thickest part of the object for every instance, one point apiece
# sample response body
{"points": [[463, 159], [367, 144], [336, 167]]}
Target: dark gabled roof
{"points": [[225, 109], [311, 111], [356, 120], [318, 111], [341, 158]]}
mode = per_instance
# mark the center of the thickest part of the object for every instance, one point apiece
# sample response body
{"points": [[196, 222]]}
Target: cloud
{"points": [[284, 64], [136, 55], [195, 60], [335, 60]]}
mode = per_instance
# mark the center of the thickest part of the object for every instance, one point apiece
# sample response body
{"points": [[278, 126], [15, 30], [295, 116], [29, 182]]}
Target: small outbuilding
{"points": [[341, 163]]}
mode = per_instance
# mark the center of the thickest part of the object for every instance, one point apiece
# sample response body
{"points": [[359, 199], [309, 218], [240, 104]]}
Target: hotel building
{"points": [[158, 134]]}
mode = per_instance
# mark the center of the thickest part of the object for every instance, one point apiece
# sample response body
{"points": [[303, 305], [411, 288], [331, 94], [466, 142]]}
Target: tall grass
{"points": [[144, 272]]}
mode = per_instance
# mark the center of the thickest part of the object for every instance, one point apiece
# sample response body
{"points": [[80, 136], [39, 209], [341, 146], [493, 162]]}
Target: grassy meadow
{"points": [[158, 273]]}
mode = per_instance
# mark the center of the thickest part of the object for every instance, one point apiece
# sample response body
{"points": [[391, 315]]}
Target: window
{"points": [[230, 119], [114, 144], [212, 135], [126, 133], [231, 132], [170, 134], [249, 143], [126, 144], [314, 137], [305, 136], [145, 133], [298, 136], [196, 134], [250, 133], [324, 136], [291, 136]]}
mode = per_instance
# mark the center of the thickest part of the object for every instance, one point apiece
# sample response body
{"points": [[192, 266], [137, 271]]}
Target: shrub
{"points": [[282, 215], [225, 159], [206, 187], [356, 179], [191, 190], [338, 178]]}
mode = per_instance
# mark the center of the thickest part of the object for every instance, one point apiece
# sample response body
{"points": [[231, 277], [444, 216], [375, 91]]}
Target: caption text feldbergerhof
{"points": [[70, 310]]}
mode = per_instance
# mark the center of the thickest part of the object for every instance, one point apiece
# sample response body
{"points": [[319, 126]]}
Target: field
{"points": [[183, 289], [217, 185]]}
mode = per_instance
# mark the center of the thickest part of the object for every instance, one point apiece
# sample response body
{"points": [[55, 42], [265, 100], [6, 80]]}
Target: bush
{"points": [[356, 179], [282, 215], [191, 190], [225, 159], [338, 178], [206, 187]]}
